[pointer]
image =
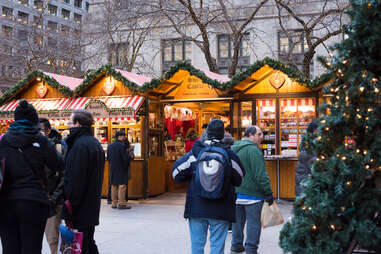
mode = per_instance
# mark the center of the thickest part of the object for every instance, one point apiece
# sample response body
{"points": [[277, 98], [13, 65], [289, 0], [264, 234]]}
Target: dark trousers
{"points": [[22, 225], [88, 242]]}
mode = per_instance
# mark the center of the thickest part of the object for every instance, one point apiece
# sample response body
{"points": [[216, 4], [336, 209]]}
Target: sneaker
{"points": [[237, 250], [124, 207]]}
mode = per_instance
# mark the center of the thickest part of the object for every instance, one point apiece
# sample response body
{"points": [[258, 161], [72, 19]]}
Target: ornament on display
{"points": [[41, 90]]}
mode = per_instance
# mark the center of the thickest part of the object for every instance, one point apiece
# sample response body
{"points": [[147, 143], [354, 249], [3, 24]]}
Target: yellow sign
{"points": [[194, 88]]}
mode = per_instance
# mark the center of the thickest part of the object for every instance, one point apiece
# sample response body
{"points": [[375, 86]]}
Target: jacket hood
{"points": [[24, 138], [199, 144], [240, 144]]}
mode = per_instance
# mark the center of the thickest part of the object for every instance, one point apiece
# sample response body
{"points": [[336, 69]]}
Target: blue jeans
{"points": [[198, 228], [251, 214]]}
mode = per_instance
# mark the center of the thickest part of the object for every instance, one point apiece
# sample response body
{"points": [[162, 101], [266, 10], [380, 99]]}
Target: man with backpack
{"points": [[255, 189], [213, 170]]}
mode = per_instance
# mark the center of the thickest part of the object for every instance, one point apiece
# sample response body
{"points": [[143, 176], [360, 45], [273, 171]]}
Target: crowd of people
{"points": [[41, 171], [49, 179]]}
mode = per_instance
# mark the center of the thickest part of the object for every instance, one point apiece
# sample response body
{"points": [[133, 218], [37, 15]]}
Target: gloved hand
{"points": [[269, 199]]}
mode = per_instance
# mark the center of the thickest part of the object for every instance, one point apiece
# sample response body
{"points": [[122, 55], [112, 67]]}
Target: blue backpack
{"points": [[211, 170]]}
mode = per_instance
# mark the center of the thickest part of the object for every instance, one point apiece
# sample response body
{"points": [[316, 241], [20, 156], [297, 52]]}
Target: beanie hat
{"points": [[120, 133], [25, 111], [216, 129]]}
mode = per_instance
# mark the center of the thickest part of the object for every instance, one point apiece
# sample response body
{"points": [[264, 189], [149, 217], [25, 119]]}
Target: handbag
{"points": [[270, 215], [70, 240]]}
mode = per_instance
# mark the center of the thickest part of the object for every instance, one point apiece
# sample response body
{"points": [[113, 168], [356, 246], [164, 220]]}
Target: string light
{"points": [[362, 89], [348, 183], [371, 160], [332, 90], [314, 227], [328, 64], [333, 227], [319, 138], [327, 128], [310, 208], [345, 61], [367, 166], [367, 118], [376, 90], [358, 116], [343, 158], [370, 109], [363, 74], [303, 208], [365, 152], [323, 121], [358, 151], [374, 80]]}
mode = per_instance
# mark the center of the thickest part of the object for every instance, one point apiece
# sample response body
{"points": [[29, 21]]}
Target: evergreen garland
{"points": [[105, 70], [25, 82]]}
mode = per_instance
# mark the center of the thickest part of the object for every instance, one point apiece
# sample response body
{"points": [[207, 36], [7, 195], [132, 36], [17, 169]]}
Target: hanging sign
{"points": [[194, 88], [109, 86], [277, 80], [41, 90]]}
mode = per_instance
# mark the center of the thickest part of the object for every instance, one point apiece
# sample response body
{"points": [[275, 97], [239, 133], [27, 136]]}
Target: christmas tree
{"points": [[341, 204]]}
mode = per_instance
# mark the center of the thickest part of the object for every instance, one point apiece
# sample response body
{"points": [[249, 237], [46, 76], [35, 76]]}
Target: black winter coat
{"points": [[20, 181], [303, 169], [83, 177], [221, 209], [119, 160]]}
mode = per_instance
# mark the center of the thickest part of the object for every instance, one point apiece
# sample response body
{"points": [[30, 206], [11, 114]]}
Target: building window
{"points": [[52, 9], [23, 17], [66, 1], [77, 18], [297, 44], [39, 5], [52, 26], [122, 4], [6, 49], [24, 2], [7, 13], [87, 6], [37, 21], [118, 54], [23, 35], [77, 65], [78, 3], [65, 14], [38, 40], [65, 29], [225, 49], [175, 50], [64, 63], [7, 31], [52, 42]]}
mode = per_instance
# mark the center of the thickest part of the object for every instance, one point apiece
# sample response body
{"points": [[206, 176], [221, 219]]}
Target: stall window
{"points": [[295, 115], [266, 120]]}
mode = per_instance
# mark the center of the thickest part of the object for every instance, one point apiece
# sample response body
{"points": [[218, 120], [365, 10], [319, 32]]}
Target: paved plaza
{"points": [[157, 226]]}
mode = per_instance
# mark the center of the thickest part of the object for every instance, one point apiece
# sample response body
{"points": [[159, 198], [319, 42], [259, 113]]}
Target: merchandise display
{"points": [[267, 122]]}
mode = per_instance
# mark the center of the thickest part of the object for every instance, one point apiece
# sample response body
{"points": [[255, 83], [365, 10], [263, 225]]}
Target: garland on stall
{"points": [[109, 109], [291, 72], [105, 70], [174, 69], [25, 82]]}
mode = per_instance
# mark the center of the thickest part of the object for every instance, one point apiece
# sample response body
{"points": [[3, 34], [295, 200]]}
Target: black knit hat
{"points": [[120, 133], [215, 129], [25, 111]]}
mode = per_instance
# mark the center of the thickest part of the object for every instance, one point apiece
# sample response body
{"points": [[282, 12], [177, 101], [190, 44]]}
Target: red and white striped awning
{"points": [[39, 105], [266, 103], [130, 102], [299, 102]]}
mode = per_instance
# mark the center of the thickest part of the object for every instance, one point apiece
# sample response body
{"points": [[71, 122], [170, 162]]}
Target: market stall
{"points": [[113, 98], [179, 104], [49, 93], [282, 103]]}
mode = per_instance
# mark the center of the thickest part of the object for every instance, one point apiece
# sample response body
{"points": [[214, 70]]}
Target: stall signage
{"points": [[7, 116], [41, 90], [194, 88], [96, 108], [109, 87], [277, 80]]}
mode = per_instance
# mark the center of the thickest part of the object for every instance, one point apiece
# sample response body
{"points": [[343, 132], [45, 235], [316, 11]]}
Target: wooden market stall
{"points": [[49, 93], [282, 103], [114, 99], [185, 98]]}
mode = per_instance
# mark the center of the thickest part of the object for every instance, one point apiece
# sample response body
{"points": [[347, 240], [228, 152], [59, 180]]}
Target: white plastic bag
{"points": [[271, 215]]}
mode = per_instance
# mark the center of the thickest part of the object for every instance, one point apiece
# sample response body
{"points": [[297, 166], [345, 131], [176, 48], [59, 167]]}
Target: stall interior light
{"points": [[268, 109]]}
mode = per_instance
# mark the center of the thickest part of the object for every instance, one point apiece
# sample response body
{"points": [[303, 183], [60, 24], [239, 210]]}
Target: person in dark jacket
{"points": [[119, 160], [83, 178], [206, 213], [24, 199], [55, 184], [303, 168]]}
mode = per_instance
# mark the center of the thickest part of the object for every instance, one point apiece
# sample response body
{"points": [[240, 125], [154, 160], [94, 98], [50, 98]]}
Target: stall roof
{"points": [[31, 76], [67, 81], [176, 74], [130, 80], [38, 104], [135, 78]]}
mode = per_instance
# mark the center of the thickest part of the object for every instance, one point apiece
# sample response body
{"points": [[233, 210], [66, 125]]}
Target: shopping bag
{"points": [[70, 241], [271, 215]]}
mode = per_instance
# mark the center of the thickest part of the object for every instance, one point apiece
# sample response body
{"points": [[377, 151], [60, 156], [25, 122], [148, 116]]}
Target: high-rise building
{"points": [[40, 34]]}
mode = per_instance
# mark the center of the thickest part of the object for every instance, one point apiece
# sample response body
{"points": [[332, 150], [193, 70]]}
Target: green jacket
{"points": [[256, 182]]}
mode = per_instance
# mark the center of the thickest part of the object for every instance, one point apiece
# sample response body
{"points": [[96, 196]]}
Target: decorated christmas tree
{"points": [[341, 204]]}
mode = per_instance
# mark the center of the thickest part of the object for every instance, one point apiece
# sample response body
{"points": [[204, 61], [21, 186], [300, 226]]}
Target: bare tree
{"points": [[211, 18], [317, 23], [122, 30]]}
